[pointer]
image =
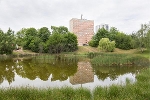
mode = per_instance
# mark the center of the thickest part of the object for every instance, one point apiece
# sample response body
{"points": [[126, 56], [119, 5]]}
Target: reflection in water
{"points": [[49, 72], [7, 70], [32, 69], [83, 75], [113, 72]]}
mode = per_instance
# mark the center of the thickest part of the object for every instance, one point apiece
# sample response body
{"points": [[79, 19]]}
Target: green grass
{"points": [[140, 90], [111, 59], [29, 93], [145, 54], [62, 57]]}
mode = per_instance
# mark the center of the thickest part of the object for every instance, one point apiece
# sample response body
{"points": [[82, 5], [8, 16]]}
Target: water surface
{"points": [[43, 73]]}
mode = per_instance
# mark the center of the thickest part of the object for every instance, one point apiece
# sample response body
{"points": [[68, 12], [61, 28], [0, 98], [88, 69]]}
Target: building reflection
{"points": [[83, 75]]}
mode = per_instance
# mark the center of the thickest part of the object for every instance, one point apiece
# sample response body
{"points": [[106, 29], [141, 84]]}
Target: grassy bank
{"points": [[145, 54], [131, 91], [136, 91], [26, 93], [110, 59]]}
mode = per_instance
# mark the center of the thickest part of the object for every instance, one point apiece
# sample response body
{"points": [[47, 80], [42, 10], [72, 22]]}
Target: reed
{"points": [[119, 60], [129, 91], [30, 93], [61, 57]]}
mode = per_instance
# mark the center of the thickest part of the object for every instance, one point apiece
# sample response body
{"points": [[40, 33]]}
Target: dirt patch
{"points": [[23, 52]]}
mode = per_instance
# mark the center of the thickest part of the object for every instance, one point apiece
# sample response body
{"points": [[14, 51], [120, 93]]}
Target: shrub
{"points": [[106, 45]]}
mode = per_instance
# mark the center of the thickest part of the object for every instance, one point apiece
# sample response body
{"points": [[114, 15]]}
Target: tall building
{"points": [[105, 26], [83, 29]]}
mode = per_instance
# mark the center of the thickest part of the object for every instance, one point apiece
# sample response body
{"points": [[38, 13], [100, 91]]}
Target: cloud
{"points": [[125, 15]]}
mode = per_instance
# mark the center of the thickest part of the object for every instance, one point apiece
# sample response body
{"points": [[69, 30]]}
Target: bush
{"points": [[106, 45]]}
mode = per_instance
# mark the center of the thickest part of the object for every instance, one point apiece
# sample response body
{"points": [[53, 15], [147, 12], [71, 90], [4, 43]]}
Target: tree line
{"points": [[139, 39], [39, 40], [59, 39]]}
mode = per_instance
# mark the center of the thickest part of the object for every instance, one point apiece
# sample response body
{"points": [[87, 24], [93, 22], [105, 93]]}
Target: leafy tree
{"points": [[123, 41], [112, 33], [61, 40], [93, 42], [70, 41], [43, 34], [143, 36], [20, 35], [60, 30], [147, 41], [7, 42], [106, 45], [134, 41], [30, 40], [102, 33], [34, 44], [55, 43]]}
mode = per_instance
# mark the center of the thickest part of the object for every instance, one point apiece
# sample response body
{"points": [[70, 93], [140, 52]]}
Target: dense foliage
{"points": [[122, 40], [61, 40], [7, 42], [140, 39], [106, 45]]}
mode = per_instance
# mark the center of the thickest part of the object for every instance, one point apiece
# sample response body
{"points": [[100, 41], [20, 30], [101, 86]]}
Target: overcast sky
{"points": [[125, 15]]}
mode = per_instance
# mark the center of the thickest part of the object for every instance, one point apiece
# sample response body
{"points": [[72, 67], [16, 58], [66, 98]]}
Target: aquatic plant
{"points": [[119, 60]]}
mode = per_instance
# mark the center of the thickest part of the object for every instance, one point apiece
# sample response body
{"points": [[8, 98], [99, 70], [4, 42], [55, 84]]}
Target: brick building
{"points": [[84, 30]]}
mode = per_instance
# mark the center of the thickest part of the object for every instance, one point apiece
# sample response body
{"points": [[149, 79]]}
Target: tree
{"points": [[30, 39], [147, 41], [123, 41], [70, 41], [20, 35], [106, 45], [55, 43], [143, 36], [44, 33], [41, 40], [61, 40], [34, 44], [7, 42], [102, 33], [60, 30], [112, 33]]}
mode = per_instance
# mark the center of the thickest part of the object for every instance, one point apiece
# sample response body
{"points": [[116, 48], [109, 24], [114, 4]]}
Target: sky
{"points": [[126, 15]]}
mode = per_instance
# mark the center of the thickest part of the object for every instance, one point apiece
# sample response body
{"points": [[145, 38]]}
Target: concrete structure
{"points": [[105, 26], [83, 29]]}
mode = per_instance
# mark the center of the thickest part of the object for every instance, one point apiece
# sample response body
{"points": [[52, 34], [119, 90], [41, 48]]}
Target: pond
{"points": [[43, 73]]}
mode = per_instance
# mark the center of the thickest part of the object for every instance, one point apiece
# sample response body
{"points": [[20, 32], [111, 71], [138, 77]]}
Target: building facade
{"points": [[105, 26], [83, 29]]}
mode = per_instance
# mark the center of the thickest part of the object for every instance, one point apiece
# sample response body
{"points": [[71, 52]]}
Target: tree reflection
{"points": [[113, 72], [36, 68], [32, 68], [7, 70]]}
